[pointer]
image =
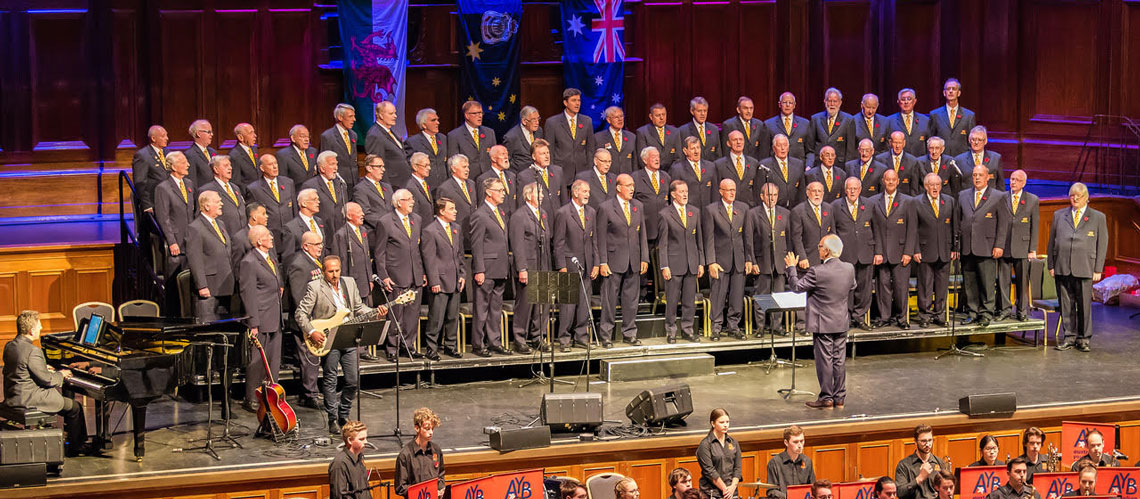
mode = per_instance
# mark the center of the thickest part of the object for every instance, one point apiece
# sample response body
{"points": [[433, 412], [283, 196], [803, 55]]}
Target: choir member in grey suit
{"points": [[575, 240], [261, 286], [281, 207], [399, 264], [985, 227], [796, 128], [811, 221], [1078, 244], [1020, 247], [208, 250], [600, 178], [857, 231], [835, 128], [244, 155], [728, 252], [306, 220], [462, 140], [651, 189], [735, 160], [623, 256], [919, 124], [978, 155], [342, 140], [771, 238], [696, 171], [233, 201], [298, 160], [148, 169], [952, 122], [660, 135], [943, 165], [571, 136], [518, 140], [305, 267], [827, 286], [501, 171], [490, 268], [551, 184], [442, 249], [871, 125], [332, 191], [420, 188], [867, 169], [200, 152], [530, 248], [903, 163], [682, 260], [373, 194], [895, 228], [352, 244], [383, 142], [431, 142], [255, 215], [460, 189], [174, 208], [707, 133], [935, 249], [619, 142], [786, 172], [757, 137], [828, 175]]}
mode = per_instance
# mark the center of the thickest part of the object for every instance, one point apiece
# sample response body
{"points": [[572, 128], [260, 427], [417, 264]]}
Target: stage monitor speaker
{"points": [[572, 411], [668, 404], [988, 405], [14, 476], [520, 438]]}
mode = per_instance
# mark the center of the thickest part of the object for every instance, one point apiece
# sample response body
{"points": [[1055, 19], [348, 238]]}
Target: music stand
{"points": [[549, 288], [355, 335], [787, 302], [207, 446], [767, 303]]}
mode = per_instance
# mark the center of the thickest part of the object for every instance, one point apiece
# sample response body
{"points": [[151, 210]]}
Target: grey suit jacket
{"points": [[173, 214], [625, 160], [878, 132], [1023, 225], [443, 258], [710, 146], [245, 169], [909, 183], [572, 239], [653, 201], [394, 151], [598, 195], [459, 141], [670, 150], [827, 286], [936, 233], [332, 212], [373, 204], [517, 145], [622, 246], [556, 196], [146, 173], [791, 191], [572, 154], [200, 171], [1080, 250], [398, 255], [279, 210], [727, 242], [261, 289], [841, 136], [985, 227], [302, 270], [807, 231], [757, 142], [450, 189], [857, 234], [681, 246], [873, 181], [210, 257], [28, 382], [957, 136], [919, 131], [318, 302], [233, 214], [490, 253], [838, 177], [990, 160], [418, 142], [703, 191], [524, 230], [424, 200], [331, 140], [747, 187], [355, 255], [897, 231], [800, 139], [770, 261], [512, 197], [290, 165]]}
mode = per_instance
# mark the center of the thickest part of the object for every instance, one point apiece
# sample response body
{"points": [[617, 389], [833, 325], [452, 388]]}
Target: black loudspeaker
{"points": [[988, 405], [520, 438], [668, 404], [572, 411], [23, 475]]}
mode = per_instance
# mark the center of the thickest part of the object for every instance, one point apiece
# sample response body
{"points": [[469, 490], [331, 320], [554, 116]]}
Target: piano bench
{"points": [[28, 419]]}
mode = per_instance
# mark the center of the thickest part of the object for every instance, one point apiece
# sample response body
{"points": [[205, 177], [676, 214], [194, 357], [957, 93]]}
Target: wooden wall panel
{"points": [[1062, 40], [179, 73], [663, 60], [708, 60], [237, 71], [52, 281], [60, 61], [872, 459], [831, 462], [846, 34], [917, 42], [652, 477], [287, 81], [128, 97], [757, 65], [1130, 58], [962, 450]]}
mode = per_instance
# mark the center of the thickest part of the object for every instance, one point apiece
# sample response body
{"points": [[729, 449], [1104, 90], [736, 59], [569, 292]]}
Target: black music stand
{"points": [[766, 303], [353, 336], [208, 445], [550, 288], [787, 302]]}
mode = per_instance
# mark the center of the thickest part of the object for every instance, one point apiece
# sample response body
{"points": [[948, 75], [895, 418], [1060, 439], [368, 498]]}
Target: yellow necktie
{"points": [[739, 168], [475, 135], [162, 158], [784, 170], [602, 180], [747, 130], [347, 143], [653, 180], [503, 179], [582, 217], [906, 119], [1076, 217], [1015, 196], [319, 264], [572, 127], [728, 209], [934, 205], [830, 124], [313, 226], [977, 159], [684, 219], [273, 187], [434, 147], [952, 113], [272, 267], [251, 158], [230, 192], [394, 139], [380, 190], [853, 216], [538, 216], [499, 218], [356, 230], [772, 217], [701, 133], [818, 219], [218, 231], [871, 127], [977, 198], [546, 178], [661, 135], [423, 183], [625, 208], [182, 187], [862, 172], [788, 125], [697, 171], [304, 160], [407, 226], [890, 201], [463, 187], [617, 141], [897, 158], [332, 191], [447, 230], [827, 178]]}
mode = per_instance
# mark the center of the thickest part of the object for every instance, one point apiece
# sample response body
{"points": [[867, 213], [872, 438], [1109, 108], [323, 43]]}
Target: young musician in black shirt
{"points": [[347, 477]]}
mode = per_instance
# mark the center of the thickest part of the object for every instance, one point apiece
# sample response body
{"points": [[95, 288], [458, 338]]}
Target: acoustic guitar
{"points": [[271, 400], [330, 325]]}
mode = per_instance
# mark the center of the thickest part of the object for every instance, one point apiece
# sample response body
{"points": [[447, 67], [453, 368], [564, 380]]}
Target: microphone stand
{"points": [[400, 344], [208, 442], [593, 333], [543, 252], [954, 349], [774, 361]]}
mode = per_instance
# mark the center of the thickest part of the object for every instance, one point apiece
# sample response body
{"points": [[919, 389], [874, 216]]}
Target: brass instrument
{"points": [[949, 464], [1053, 459]]}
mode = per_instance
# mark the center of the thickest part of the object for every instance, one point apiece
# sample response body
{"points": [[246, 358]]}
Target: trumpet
{"points": [[1053, 459]]}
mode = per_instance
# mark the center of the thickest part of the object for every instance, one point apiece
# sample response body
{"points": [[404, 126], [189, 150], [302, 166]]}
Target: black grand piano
{"points": [[138, 361]]}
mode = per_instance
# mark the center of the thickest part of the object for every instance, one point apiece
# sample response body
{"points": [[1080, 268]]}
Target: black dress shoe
{"points": [[564, 348], [452, 353], [864, 326], [433, 356], [579, 344], [366, 355], [634, 342], [415, 355], [1083, 346], [390, 357], [715, 337], [902, 324], [334, 428], [542, 346], [984, 322], [940, 322], [923, 323], [309, 402], [1065, 345], [607, 344], [499, 350], [483, 353], [519, 349], [969, 320], [1022, 317], [671, 340], [819, 404]]}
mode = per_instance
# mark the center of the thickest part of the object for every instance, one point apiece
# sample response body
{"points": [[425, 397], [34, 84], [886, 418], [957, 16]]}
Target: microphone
{"points": [[376, 279], [954, 164], [576, 262]]}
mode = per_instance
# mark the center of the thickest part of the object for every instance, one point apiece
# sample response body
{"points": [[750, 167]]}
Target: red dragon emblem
{"points": [[371, 63]]}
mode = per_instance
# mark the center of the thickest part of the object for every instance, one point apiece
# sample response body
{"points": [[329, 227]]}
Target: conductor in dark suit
{"points": [[490, 269], [757, 137], [871, 125], [854, 224], [174, 208], [651, 189], [707, 133], [658, 133], [728, 252], [382, 141], [978, 155], [148, 169], [619, 142], [915, 126], [1020, 247], [903, 163], [827, 286], [575, 240], [233, 201], [833, 127], [600, 178], [262, 286], [696, 171], [431, 142], [741, 168], [399, 265], [373, 194], [298, 160], [985, 227], [501, 171], [200, 152], [682, 260], [623, 257], [1078, 244], [937, 216], [811, 221], [279, 197], [571, 136], [303, 268], [472, 139], [208, 249], [826, 173], [895, 228], [786, 172], [460, 189], [332, 191], [519, 139], [244, 154], [351, 244], [419, 187], [771, 238], [442, 249], [797, 129], [530, 249], [952, 122], [342, 140], [867, 169]]}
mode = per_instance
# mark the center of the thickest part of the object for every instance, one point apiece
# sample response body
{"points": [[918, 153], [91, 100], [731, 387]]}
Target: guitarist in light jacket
{"points": [[322, 300]]}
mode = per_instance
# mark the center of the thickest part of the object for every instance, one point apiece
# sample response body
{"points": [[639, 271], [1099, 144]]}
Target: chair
{"points": [[25, 418], [85, 310], [185, 293], [1043, 297], [138, 308], [601, 486]]}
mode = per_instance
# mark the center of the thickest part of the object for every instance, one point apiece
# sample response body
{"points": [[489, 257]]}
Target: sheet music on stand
{"points": [[781, 302], [553, 287]]}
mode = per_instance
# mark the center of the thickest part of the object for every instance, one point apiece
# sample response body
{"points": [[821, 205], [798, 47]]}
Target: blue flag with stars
{"points": [[593, 57], [488, 34]]}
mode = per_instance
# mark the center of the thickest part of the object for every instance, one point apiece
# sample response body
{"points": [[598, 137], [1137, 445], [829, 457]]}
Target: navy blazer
{"points": [[392, 150]]}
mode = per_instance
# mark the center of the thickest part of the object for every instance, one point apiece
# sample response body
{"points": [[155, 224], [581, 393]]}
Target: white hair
{"points": [[833, 244]]}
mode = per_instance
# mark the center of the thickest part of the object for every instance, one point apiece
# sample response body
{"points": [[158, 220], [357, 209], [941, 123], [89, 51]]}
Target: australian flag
{"points": [[593, 55], [489, 53]]}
